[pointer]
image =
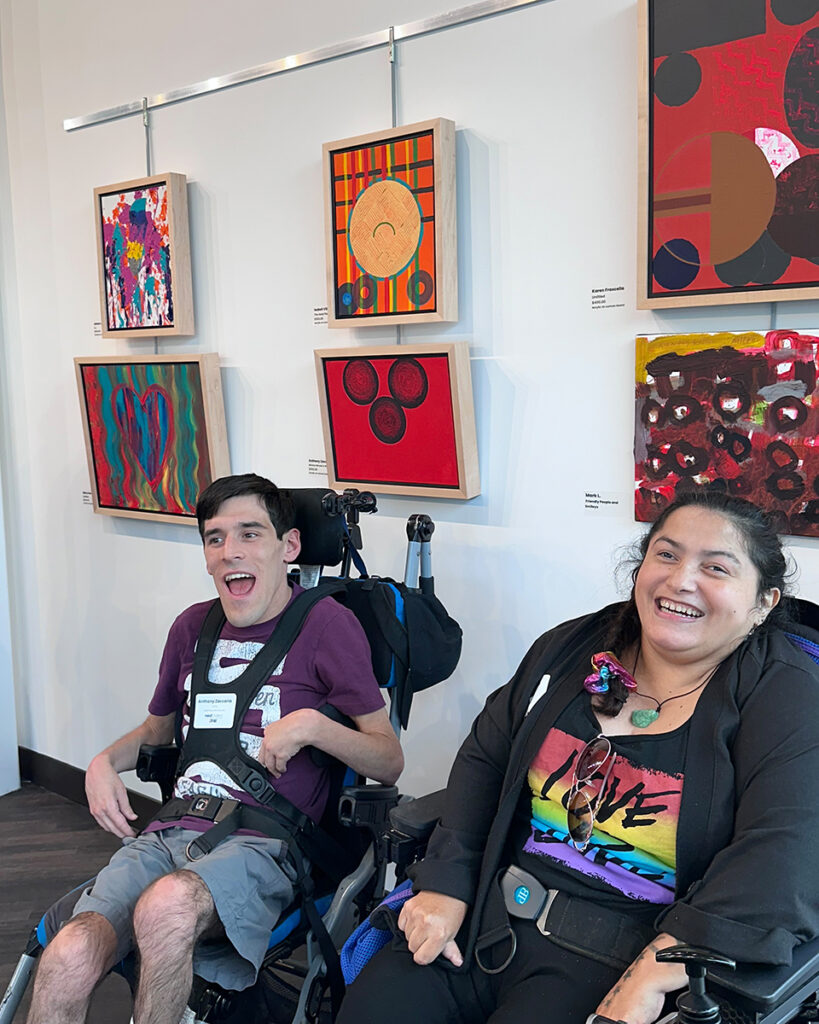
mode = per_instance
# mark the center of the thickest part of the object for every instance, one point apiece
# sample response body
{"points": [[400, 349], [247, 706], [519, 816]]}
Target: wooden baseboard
{"points": [[68, 781]]}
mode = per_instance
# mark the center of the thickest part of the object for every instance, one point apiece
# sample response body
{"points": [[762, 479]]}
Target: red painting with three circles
{"points": [[733, 147], [391, 419]]}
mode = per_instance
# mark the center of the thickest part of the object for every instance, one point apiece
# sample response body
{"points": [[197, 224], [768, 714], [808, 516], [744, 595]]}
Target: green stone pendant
{"points": [[643, 718]]}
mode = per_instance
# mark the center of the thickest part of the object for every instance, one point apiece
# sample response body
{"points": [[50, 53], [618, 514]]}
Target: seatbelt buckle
{"points": [[524, 895], [211, 808]]}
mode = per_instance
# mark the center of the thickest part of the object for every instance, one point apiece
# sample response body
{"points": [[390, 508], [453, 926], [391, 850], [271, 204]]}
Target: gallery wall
{"points": [[9, 773], [544, 102]]}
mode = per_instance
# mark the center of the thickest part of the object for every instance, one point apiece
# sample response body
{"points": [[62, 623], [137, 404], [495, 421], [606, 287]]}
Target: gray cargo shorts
{"points": [[249, 880]]}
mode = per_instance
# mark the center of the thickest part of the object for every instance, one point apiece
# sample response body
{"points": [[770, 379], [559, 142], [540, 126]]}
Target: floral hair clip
{"points": [[607, 667]]}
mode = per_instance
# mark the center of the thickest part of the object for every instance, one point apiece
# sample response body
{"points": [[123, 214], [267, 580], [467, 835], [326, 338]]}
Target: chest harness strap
{"points": [[277, 817]]}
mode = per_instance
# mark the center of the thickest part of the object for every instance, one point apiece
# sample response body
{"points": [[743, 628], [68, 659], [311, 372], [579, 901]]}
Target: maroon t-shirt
{"points": [[328, 663]]}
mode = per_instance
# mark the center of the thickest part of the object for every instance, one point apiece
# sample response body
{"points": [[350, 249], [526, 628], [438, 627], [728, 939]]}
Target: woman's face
{"points": [[697, 589]]}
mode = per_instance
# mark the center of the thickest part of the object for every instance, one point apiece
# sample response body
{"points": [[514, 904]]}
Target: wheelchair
{"points": [[720, 990], [300, 981]]}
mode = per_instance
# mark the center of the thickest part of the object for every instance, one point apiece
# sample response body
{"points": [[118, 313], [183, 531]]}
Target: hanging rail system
{"points": [[386, 37]]}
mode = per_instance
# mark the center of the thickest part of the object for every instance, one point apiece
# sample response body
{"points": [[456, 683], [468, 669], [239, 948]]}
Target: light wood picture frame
{"points": [[155, 432], [399, 420], [390, 228], [728, 154], [144, 258]]}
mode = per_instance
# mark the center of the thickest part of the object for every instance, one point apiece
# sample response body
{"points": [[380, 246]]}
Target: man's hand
{"points": [[430, 922], [370, 748], [283, 739], [639, 995], [108, 798]]}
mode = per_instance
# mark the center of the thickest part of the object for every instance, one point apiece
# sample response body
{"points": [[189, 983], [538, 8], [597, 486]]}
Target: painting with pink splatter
{"points": [[144, 257]]}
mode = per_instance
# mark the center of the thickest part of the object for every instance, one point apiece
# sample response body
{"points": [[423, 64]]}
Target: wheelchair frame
{"points": [[329, 523]]}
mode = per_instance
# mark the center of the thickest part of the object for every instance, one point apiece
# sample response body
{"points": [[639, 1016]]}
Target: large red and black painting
{"points": [[733, 151]]}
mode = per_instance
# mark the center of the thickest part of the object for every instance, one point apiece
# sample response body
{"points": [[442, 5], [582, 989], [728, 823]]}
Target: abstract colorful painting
{"points": [[731, 412], [390, 217], [729, 138], [144, 257], [154, 432], [400, 420]]}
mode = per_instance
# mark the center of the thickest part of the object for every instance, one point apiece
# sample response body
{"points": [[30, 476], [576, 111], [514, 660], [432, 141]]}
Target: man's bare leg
{"points": [[78, 956], [170, 916]]}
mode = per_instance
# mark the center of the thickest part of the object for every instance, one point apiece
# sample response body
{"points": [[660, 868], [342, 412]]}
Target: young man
{"points": [[153, 894]]}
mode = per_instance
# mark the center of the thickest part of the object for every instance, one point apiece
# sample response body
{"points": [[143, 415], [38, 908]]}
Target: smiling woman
{"points": [[711, 571], [594, 818]]}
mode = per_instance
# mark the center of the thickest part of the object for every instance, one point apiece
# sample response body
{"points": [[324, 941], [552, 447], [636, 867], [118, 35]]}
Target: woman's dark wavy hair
{"points": [[762, 544]]}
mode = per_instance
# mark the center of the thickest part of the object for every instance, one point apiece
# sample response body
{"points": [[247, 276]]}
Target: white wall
{"points": [[9, 772], [544, 100]]}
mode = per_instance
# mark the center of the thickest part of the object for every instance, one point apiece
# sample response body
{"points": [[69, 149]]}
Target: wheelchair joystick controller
{"points": [[695, 1006]]}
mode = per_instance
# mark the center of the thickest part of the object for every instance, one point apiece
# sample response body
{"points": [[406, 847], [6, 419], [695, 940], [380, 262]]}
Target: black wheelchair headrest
{"points": [[322, 534]]}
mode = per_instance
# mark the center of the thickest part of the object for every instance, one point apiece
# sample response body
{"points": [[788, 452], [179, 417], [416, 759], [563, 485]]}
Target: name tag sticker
{"points": [[214, 711]]}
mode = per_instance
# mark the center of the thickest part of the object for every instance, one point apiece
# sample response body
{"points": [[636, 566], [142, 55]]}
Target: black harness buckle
{"points": [[210, 808]]}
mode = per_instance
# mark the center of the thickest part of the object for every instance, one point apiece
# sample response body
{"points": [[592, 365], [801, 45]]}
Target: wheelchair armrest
{"points": [[418, 818], [760, 988], [158, 764], [411, 824], [367, 806]]}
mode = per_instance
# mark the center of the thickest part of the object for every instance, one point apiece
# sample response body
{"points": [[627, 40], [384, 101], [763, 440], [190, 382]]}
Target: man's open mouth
{"points": [[239, 583]]}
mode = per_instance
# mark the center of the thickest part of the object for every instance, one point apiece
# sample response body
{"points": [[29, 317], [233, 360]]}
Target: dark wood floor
{"points": [[47, 846]]}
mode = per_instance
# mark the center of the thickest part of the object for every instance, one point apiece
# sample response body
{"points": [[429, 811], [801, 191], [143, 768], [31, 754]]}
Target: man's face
{"points": [[247, 561]]}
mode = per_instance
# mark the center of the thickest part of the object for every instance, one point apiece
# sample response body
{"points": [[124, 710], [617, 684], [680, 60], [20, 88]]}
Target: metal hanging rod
{"points": [[413, 29]]}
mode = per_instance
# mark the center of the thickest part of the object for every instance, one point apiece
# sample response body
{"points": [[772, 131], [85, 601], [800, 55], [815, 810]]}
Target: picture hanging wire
{"points": [[394, 115], [393, 79], [360, 44], [146, 124]]}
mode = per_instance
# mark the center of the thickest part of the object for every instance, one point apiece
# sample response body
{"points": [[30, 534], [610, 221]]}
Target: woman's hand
{"points": [[639, 995], [430, 922]]}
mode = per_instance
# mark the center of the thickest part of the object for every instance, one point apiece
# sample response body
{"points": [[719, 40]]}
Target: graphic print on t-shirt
{"points": [[230, 659], [633, 843]]}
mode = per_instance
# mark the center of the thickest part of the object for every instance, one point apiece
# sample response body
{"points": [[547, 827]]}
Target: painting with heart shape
{"points": [[154, 431], [146, 423]]}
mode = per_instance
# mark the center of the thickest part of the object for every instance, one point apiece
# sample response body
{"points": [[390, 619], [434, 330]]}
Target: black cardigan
{"points": [[748, 831]]}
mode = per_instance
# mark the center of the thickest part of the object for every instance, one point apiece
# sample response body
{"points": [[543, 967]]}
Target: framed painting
{"points": [[155, 433], [400, 420], [729, 152], [390, 226], [736, 412], [143, 252]]}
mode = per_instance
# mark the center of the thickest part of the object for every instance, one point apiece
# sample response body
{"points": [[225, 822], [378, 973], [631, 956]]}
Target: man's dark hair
{"points": [[278, 503]]}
